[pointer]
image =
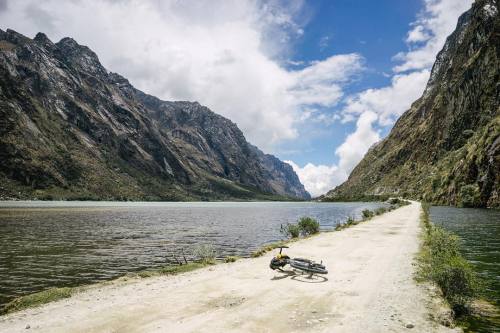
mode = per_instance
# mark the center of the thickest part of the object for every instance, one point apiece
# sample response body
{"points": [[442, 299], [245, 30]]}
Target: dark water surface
{"points": [[479, 230], [55, 244]]}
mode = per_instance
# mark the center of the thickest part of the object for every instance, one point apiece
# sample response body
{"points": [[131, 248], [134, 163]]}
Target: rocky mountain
{"points": [[446, 148], [70, 129]]}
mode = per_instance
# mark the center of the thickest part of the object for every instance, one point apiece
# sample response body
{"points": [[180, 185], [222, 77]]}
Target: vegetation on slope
{"points": [[71, 130], [446, 148]]}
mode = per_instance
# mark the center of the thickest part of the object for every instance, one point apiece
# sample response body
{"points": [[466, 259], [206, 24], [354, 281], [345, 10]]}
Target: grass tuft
{"points": [[229, 259], [39, 298], [55, 294], [380, 211], [266, 248], [172, 269], [290, 230], [206, 253]]}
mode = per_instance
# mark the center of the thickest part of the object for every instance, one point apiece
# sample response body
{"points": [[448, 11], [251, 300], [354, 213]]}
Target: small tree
{"points": [[308, 226]]}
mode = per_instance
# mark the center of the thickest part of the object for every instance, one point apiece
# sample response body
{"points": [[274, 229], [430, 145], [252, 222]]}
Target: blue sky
{"points": [[315, 82], [398, 41], [374, 29]]}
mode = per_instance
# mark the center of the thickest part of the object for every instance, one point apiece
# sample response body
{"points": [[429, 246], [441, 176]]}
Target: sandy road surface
{"points": [[369, 289]]}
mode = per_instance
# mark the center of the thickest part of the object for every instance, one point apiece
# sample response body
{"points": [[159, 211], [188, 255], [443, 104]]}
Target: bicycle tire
{"points": [[310, 268], [304, 260], [317, 270], [310, 262]]}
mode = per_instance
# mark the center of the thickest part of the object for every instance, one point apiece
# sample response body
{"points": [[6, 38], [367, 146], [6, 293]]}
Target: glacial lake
{"points": [[57, 244], [479, 231]]}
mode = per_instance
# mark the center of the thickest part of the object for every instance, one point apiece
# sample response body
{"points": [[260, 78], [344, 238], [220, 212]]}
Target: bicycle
{"points": [[304, 265]]}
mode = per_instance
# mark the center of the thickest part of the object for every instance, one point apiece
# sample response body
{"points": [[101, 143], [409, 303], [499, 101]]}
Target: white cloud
{"points": [[435, 23], [357, 143], [220, 53], [417, 34], [320, 82], [372, 106], [318, 179], [384, 105], [391, 101]]}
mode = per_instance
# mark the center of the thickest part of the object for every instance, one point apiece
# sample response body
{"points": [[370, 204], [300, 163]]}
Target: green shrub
{"points": [[397, 202], [367, 214], [380, 210], [458, 283], [443, 245], [290, 230], [350, 221], [394, 201], [469, 196], [205, 253], [308, 226]]}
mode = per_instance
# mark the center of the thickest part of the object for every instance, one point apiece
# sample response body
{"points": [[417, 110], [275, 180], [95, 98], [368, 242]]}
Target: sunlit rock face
{"points": [[446, 148], [69, 129]]}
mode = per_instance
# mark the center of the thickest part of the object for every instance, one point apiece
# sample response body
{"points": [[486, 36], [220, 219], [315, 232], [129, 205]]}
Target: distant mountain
{"points": [[446, 148], [69, 129]]}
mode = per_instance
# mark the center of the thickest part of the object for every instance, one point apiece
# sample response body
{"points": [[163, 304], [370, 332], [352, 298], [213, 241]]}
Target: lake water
{"points": [[479, 230], [55, 244]]}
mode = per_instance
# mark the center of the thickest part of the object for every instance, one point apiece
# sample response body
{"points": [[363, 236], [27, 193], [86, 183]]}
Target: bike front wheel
{"points": [[308, 267]]}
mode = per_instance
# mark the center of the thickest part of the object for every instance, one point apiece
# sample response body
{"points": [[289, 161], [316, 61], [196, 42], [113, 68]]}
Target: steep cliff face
{"points": [[446, 148], [70, 129]]}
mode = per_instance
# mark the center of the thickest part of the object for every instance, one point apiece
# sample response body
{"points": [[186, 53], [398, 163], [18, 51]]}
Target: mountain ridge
{"points": [[72, 130], [445, 149]]}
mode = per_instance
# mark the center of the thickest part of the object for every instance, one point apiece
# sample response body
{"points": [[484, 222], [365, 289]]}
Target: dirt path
{"points": [[369, 289]]}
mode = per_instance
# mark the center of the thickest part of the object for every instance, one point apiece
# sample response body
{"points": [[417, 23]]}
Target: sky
{"points": [[314, 82]]}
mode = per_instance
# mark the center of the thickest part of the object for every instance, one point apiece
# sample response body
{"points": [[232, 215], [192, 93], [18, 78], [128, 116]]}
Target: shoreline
{"points": [[370, 287]]}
